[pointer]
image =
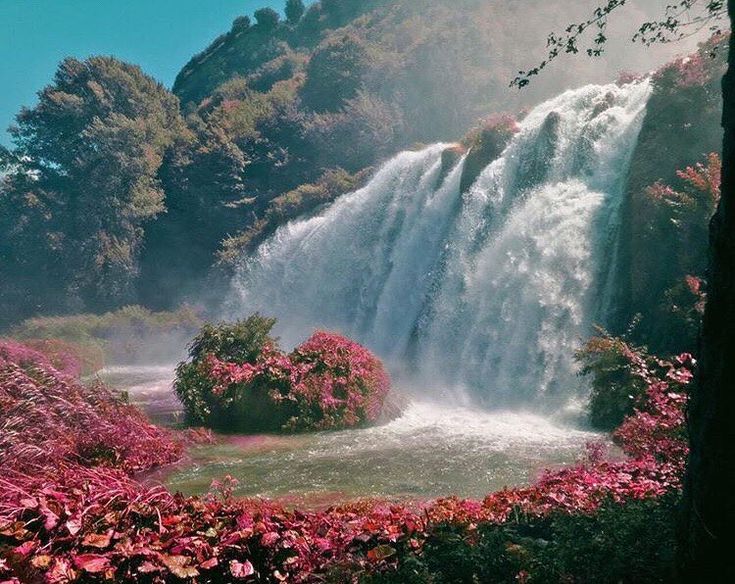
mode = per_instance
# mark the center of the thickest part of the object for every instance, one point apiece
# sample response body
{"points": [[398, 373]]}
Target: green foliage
{"points": [[656, 253], [335, 73], [240, 342], [241, 24], [294, 10], [615, 389], [133, 332], [619, 543], [304, 199], [83, 182], [632, 542], [267, 18]]}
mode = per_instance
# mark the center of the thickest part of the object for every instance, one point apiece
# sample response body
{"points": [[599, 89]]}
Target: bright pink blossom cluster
{"points": [[332, 381], [658, 426]]}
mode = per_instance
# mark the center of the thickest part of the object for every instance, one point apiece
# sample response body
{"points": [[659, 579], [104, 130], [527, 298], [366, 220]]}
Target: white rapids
{"points": [[488, 292]]}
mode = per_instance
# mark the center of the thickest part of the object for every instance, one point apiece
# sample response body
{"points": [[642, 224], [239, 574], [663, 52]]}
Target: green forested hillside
{"points": [[119, 191]]}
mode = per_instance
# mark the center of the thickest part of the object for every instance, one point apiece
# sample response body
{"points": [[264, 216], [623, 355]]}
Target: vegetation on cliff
{"points": [[119, 193], [672, 190]]}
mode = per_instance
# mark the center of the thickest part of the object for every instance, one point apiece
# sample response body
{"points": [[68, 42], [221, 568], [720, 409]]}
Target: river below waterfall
{"points": [[431, 451]]}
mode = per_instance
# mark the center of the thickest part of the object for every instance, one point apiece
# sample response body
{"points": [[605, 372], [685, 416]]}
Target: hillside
{"points": [[151, 204]]}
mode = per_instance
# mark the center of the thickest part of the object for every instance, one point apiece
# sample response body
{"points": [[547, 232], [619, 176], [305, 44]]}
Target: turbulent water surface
{"points": [[432, 450]]}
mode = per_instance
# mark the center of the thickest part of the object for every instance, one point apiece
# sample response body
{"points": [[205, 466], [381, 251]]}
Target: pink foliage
{"points": [[26, 356], [45, 415], [333, 381], [62, 522], [344, 378], [657, 428], [705, 178]]}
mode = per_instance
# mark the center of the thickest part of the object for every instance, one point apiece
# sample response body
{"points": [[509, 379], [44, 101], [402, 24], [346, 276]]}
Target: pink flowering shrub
{"points": [[28, 357], [328, 382], [47, 415], [339, 383], [658, 426]]}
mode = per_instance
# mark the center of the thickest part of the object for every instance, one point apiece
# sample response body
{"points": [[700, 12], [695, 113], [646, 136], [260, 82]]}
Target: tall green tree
{"points": [[84, 165], [204, 179], [294, 10], [267, 18]]}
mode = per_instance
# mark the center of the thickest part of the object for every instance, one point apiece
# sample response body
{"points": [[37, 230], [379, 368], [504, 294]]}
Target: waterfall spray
{"points": [[490, 291]]}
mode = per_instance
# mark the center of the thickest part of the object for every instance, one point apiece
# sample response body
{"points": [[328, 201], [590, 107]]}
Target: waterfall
{"points": [[486, 293]]}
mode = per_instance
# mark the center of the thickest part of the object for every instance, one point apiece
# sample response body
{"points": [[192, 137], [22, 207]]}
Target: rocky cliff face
{"points": [[682, 126]]}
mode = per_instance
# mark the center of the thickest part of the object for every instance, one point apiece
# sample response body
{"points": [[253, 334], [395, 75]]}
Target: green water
{"points": [[431, 451]]}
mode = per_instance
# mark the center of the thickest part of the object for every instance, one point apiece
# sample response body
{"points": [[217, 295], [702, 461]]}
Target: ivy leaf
{"points": [[92, 563], [179, 566]]}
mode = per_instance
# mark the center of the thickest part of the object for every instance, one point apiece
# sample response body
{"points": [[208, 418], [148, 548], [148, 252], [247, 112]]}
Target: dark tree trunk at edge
{"points": [[707, 542]]}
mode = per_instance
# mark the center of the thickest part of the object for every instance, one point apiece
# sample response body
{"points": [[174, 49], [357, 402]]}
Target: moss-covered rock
{"points": [[486, 143], [681, 127]]}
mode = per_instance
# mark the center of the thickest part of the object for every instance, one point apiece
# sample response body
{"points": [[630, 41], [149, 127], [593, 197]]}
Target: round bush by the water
{"points": [[238, 380]]}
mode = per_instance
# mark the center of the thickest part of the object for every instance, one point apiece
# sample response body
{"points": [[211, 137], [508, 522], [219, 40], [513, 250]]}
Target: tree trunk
{"points": [[707, 542]]}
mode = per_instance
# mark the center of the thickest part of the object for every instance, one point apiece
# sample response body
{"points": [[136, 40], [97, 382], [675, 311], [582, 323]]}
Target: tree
{"points": [[294, 10], [84, 174], [241, 23], [335, 73], [681, 19], [707, 530], [203, 176], [267, 18]]}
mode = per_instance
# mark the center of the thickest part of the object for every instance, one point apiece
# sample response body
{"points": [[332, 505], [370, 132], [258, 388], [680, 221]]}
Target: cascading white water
{"points": [[487, 293]]}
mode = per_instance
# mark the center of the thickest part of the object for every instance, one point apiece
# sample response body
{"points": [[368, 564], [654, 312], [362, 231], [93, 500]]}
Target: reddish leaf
{"points": [[241, 570], [92, 563]]}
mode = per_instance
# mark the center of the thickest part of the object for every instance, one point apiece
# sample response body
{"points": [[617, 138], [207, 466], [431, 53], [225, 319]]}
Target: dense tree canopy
{"points": [[83, 182], [294, 10], [267, 18]]}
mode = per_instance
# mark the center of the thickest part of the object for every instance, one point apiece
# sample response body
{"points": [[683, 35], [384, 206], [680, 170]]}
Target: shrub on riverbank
{"points": [[48, 417], [237, 379], [614, 387]]}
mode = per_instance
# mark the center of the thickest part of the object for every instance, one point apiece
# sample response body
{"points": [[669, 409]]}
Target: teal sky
{"points": [[158, 35]]}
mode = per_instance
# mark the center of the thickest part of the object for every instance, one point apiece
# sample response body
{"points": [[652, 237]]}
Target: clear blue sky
{"points": [[158, 35]]}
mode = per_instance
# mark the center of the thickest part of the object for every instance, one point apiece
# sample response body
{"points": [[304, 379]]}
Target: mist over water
{"points": [[483, 295]]}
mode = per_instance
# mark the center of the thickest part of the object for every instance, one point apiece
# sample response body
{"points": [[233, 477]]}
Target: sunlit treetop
{"points": [[680, 20]]}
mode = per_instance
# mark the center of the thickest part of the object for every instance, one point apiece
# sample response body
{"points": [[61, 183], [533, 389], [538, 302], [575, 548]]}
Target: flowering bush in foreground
{"points": [[238, 379], [47, 417], [64, 518]]}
